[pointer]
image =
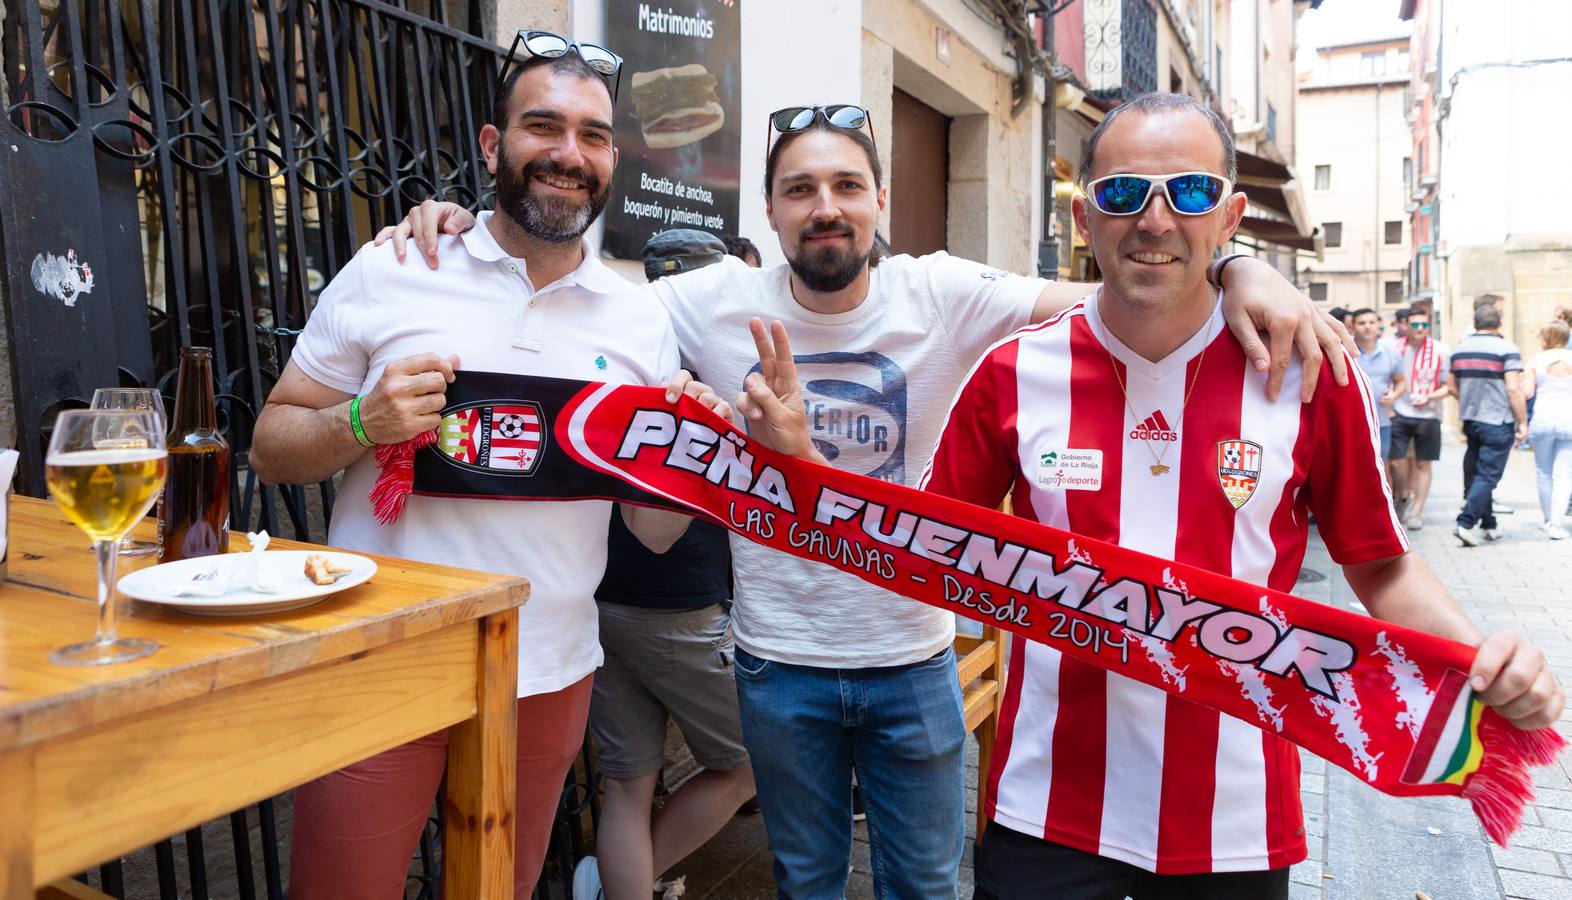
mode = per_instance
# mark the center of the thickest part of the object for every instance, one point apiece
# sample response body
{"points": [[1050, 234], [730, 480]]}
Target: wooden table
{"points": [[95, 762]]}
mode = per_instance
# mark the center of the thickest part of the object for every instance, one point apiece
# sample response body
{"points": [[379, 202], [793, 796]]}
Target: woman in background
{"points": [[1550, 426]]}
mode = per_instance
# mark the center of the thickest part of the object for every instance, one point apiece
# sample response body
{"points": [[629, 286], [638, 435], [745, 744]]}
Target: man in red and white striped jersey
{"points": [[1102, 786]]}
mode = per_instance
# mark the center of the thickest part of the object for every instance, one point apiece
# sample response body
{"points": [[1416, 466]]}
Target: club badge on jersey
{"points": [[1238, 470]]}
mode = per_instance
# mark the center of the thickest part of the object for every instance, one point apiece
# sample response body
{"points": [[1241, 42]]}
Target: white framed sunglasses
{"points": [[1187, 193]]}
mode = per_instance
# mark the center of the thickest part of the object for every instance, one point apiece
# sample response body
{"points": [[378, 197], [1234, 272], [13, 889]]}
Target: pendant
{"points": [[1159, 469]]}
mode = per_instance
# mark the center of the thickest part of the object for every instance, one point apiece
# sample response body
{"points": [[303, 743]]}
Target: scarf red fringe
{"points": [[396, 476], [1503, 785]]}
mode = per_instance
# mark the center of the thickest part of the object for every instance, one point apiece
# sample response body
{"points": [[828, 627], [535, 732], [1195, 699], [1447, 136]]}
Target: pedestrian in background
{"points": [[1416, 419], [1550, 429], [1383, 368], [665, 629], [1486, 375], [743, 249], [1399, 336]]}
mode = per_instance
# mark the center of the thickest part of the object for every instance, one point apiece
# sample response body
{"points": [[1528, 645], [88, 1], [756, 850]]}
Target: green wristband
{"points": [[354, 424]]}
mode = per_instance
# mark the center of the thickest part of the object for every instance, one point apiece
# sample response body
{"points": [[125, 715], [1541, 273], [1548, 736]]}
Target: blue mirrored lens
{"points": [[1195, 193], [847, 117], [1122, 195]]}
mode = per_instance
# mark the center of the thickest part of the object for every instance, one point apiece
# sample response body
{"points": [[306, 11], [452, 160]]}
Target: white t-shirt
{"points": [[876, 383], [1552, 393], [590, 324]]}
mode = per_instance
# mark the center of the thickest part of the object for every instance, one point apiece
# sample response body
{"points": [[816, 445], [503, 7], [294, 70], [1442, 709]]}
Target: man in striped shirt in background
{"points": [[1103, 786], [1487, 372]]}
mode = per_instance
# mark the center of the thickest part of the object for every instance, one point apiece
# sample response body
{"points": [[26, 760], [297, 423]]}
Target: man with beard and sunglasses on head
{"points": [[521, 294], [835, 675]]}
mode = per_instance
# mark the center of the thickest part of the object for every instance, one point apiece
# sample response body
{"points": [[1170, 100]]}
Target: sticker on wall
{"points": [[62, 278]]}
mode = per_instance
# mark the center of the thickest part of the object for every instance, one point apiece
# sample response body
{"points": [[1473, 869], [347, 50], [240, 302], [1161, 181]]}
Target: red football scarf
{"points": [[1387, 703], [1424, 374]]}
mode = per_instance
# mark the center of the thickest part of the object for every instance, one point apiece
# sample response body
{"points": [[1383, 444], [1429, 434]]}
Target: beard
{"points": [[826, 270], [553, 220]]}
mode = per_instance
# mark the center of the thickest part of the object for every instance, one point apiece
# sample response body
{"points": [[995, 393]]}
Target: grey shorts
{"points": [[659, 663]]}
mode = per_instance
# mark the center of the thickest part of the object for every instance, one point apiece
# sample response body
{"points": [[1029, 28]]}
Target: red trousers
{"points": [[356, 829]]}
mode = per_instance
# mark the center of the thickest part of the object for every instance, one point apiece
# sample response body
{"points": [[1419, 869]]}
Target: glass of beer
{"points": [[105, 469], [150, 400]]}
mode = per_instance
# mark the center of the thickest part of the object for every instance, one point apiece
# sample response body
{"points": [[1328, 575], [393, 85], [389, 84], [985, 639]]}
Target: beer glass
{"points": [[105, 469], [132, 398]]}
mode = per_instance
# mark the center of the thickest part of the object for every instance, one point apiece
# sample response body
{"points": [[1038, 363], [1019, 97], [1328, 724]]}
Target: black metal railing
{"points": [[188, 172], [193, 172], [1121, 39]]}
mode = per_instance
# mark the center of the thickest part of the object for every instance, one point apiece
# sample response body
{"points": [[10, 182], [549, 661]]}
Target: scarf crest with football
{"points": [[1389, 704]]}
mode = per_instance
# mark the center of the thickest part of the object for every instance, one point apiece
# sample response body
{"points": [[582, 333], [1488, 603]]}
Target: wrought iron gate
{"points": [[181, 172]]}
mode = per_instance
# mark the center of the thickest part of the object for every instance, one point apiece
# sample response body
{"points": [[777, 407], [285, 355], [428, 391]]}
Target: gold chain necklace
{"points": [[1157, 468]]}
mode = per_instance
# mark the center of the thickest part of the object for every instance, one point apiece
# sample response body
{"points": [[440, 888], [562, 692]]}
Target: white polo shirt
{"points": [[479, 303]]}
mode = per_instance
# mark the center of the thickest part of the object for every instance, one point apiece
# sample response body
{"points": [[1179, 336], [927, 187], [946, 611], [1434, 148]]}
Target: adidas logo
{"points": [[1155, 428]]}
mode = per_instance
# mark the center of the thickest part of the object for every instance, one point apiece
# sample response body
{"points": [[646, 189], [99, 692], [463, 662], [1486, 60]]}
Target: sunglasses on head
{"points": [[1188, 193], [843, 116], [550, 45]]}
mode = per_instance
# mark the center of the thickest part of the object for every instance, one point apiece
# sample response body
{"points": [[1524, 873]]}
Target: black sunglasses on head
{"points": [[843, 116], [550, 45]]}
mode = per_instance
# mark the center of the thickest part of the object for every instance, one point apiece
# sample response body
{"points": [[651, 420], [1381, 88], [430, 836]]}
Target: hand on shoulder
{"points": [[427, 224]]}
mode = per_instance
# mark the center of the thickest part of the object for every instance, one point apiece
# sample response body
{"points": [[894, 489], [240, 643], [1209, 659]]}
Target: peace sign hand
{"points": [[772, 400]]}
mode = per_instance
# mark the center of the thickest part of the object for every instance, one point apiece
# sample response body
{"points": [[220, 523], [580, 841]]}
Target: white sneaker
{"points": [[1492, 534], [586, 880], [1468, 536], [1412, 523], [1557, 533]]}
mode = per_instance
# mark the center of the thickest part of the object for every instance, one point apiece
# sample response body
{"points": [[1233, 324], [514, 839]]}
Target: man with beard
{"points": [[833, 674], [520, 294]]}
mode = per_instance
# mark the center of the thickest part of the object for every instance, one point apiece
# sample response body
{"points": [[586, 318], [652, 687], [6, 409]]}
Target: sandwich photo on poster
{"points": [[678, 132]]}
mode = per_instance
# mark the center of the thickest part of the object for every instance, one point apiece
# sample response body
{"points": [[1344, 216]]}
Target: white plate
{"points": [[156, 584]]}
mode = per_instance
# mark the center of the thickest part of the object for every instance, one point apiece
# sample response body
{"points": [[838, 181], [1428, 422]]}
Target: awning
{"points": [[1282, 233], [1272, 186]]}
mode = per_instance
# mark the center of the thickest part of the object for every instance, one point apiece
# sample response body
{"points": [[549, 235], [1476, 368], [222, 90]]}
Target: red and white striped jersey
{"points": [[1090, 758]]}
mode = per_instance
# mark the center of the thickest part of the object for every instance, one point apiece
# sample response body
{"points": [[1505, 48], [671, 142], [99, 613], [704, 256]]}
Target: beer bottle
{"points": [[195, 509]]}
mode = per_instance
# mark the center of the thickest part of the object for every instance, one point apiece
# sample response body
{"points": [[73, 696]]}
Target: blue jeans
{"points": [[1553, 460], [901, 727], [1483, 463]]}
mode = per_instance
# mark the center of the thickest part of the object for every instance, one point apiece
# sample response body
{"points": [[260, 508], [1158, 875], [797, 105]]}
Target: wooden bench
{"points": [[979, 662]]}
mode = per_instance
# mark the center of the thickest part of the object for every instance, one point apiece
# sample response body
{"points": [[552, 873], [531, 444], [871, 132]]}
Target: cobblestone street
{"points": [[1367, 846]]}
